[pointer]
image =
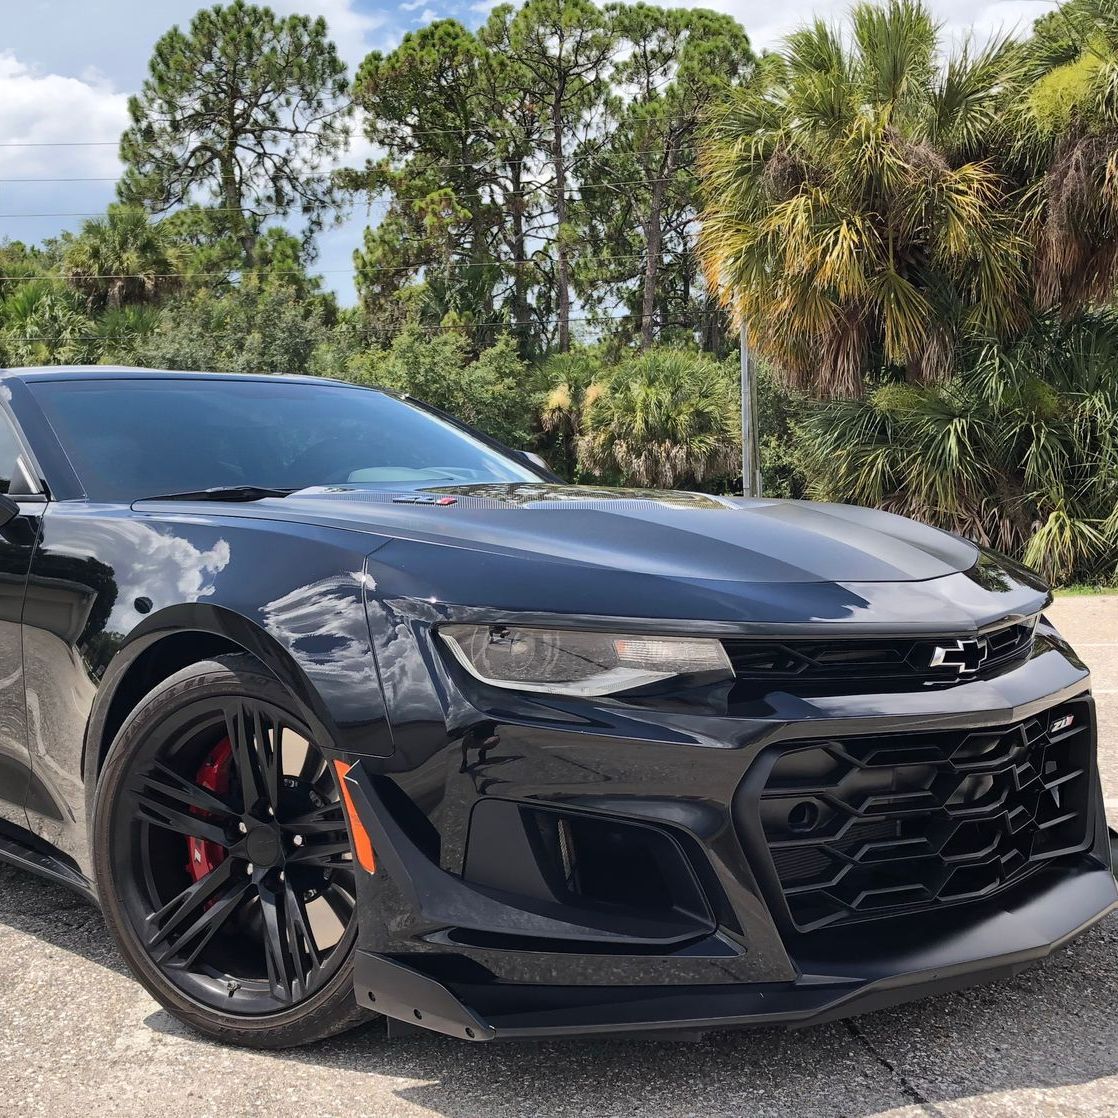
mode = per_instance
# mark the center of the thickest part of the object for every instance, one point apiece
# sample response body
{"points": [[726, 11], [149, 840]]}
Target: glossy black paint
{"points": [[339, 592]]}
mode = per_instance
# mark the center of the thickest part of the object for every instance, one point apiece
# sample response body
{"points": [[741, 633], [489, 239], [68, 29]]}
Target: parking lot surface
{"points": [[78, 1037]]}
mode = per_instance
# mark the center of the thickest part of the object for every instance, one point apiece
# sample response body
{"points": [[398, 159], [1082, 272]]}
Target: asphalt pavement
{"points": [[78, 1037]]}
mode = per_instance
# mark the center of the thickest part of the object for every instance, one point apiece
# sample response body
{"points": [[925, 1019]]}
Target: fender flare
{"points": [[203, 619]]}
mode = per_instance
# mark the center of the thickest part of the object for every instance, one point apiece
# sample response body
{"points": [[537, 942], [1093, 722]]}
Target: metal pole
{"points": [[750, 461]]}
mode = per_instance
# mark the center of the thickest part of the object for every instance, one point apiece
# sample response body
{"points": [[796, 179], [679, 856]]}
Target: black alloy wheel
{"points": [[224, 862]]}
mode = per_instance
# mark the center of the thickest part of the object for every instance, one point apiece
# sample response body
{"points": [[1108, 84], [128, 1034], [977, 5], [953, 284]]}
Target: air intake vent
{"points": [[863, 827]]}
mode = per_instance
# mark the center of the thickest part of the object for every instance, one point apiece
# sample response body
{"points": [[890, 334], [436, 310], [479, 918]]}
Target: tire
{"points": [[209, 886]]}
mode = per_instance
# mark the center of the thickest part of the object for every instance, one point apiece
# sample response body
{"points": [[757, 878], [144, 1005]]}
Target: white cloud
{"points": [[350, 28], [42, 108], [767, 23], [427, 15], [412, 5]]}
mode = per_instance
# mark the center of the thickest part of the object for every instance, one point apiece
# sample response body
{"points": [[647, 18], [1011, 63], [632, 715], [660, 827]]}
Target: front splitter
{"points": [[499, 1011]]}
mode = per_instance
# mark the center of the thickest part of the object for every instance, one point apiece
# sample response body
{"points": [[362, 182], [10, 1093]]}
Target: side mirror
{"points": [[537, 460], [9, 510]]}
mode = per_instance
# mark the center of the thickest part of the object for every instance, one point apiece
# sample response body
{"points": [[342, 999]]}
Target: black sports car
{"points": [[335, 705]]}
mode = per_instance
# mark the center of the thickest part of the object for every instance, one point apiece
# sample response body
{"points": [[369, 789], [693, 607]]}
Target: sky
{"points": [[68, 66]]}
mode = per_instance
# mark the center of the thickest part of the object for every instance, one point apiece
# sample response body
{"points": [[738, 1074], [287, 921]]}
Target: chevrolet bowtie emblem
{"points": [[964, 656]]}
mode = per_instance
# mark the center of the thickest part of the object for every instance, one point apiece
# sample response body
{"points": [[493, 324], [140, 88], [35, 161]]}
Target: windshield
{"points": [[133, 438]]}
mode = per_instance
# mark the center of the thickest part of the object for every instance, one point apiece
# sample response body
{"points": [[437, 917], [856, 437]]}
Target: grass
{"points": [[1079, 590]]}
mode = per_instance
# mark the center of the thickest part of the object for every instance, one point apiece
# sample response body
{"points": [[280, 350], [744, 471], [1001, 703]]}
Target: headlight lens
{"points": [[565, 662]]}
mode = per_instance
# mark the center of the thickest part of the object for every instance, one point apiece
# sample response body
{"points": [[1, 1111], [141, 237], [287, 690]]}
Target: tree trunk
{"points": [[559, 194], [231, 196], [654, 238], [519, 267]]}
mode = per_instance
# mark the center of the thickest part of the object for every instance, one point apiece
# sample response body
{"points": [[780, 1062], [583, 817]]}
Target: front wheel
{"points": [[223, 861]]}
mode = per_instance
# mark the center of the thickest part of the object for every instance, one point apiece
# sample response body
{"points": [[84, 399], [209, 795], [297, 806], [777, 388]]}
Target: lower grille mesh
{"points": [[868, 826]]}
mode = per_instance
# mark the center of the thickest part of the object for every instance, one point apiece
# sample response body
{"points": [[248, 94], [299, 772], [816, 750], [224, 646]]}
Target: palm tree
{"points": [[119, 259], [1019, 450], [854, 214], [39, 325], [1066, 130], [667, 418], [120, 333], [570, 382]]}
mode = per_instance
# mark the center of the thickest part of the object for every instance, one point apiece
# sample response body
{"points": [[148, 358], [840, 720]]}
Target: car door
{"points": [[17, 542]]}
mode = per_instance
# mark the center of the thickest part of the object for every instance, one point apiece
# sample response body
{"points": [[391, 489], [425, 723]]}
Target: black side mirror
{"points": [[9, 510]]}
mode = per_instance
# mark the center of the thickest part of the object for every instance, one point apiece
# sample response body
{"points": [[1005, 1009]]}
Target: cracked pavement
{"points": [[78, 1036]]}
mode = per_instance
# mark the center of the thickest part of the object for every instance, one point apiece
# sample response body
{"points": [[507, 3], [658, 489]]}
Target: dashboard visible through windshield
{"points": [[132, 438]]}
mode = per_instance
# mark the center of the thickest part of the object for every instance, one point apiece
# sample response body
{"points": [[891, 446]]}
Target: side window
{"points": [[11, 478]]}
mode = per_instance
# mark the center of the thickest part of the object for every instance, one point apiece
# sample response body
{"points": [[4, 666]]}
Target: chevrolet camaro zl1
{"points": [[337, 707]]}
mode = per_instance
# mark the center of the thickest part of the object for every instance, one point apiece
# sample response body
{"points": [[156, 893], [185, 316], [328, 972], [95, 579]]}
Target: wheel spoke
{"points": [[239, 727], [313, 766], [300, 934], [186, 905], [276, 952], [327, 819], [341, 903], [326, 853], [202, 910], [150, 793], [181, 791], [268, 752]]}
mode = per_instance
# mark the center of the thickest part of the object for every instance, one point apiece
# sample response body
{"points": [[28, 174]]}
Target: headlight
{"points": [[564, 662]]}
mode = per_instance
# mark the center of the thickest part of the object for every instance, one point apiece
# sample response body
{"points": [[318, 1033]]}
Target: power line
{"points": [[476, 165], [60, 143], [405, 131], [433, 266], [508, 323], [374, 202]]}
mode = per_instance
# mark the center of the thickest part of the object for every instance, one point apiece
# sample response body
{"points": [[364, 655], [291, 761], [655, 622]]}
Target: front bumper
{"points": [[997, 945], [441, 948]]}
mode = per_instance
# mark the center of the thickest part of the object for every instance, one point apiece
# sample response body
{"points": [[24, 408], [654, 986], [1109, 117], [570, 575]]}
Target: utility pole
{"points": [[750, 461]]}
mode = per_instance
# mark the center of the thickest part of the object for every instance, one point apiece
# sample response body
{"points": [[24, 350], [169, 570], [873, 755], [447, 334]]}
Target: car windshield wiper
{"points": [[223, 493]]}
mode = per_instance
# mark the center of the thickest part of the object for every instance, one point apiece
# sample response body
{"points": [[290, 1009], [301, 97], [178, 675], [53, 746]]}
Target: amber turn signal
{"points": [[362, 844]]}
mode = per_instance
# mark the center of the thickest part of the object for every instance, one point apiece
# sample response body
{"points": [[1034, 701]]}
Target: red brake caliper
{"points": [[205, 856]]}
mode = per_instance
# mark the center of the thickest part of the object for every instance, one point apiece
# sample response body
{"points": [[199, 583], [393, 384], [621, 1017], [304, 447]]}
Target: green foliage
{"points": [[434, 105], [565, 384], [853, 216], [122, 333], [20, 264], [255, 328], [119, 259], [245, 107], [43, 324], [666, 418], [1019, 450], [1065, 128], [778, 415], [637, 214], [545, 157], [488, 393]]}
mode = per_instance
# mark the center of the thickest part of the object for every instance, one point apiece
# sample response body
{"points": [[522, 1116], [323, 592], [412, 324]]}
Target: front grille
{"points": [[859, 665], [864, 827]]}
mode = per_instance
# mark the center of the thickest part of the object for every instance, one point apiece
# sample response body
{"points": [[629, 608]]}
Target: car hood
{"points": [[655, 532]]}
